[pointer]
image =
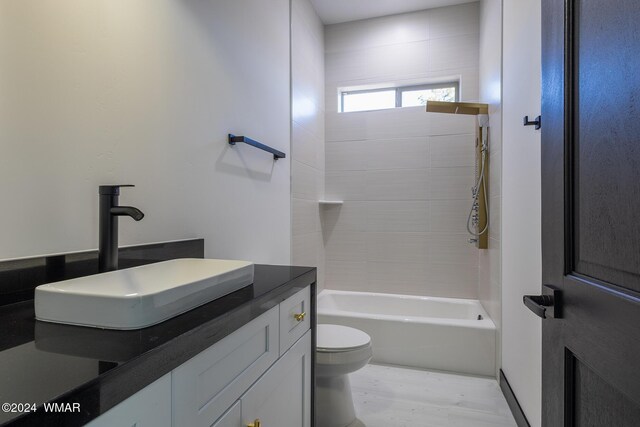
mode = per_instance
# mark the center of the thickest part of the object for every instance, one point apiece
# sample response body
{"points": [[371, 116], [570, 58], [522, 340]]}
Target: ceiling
{"points": [[336, 11]]}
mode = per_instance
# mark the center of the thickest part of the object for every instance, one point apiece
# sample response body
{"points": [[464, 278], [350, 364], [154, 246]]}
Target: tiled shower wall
{"points": [[307, 135], [490, 277], [404, 175]]}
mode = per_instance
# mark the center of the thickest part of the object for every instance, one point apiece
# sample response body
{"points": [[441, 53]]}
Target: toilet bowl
{"points": [[340, 350]]}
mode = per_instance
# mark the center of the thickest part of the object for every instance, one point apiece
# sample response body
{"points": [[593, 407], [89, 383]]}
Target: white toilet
{"points": [[340, 351]]}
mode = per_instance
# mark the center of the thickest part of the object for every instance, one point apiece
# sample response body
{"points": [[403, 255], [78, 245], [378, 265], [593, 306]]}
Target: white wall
{"points": [[489, 274], [145, 92], [521, 234], [307, 137], [404, 174]]}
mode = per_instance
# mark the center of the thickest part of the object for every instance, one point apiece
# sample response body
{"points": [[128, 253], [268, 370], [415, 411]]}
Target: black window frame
{"points": [[399, 90]]}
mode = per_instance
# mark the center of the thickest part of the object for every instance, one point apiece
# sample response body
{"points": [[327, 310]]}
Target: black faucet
{"points": [[108, 235]]}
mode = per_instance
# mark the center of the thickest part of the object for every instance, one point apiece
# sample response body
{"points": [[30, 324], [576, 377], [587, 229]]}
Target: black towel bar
{"points": [[276, 154]]}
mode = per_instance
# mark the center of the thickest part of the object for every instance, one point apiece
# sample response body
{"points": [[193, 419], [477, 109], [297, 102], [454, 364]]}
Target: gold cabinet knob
{"points": [[256, 423], [300, 316]]}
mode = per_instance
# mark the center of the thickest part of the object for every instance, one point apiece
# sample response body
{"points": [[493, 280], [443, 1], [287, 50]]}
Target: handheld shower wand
{"points": [[473, 219]]}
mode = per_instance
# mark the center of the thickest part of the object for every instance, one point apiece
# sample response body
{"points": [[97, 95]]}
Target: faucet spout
{"points": [[108, 227], [130, 211]]}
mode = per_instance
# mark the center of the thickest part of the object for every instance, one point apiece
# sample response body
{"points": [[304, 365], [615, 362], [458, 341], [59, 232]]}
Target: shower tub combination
{"points": [[448, 334]]}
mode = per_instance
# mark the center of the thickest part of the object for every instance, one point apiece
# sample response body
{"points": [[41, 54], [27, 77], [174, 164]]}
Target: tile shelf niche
{"points": [[330, 202]]}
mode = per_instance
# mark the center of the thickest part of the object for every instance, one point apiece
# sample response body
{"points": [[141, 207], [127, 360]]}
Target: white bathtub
{"points": [[423, 332]]}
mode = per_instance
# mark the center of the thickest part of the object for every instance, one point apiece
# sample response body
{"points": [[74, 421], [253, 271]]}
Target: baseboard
{"points": [[512, 401]]}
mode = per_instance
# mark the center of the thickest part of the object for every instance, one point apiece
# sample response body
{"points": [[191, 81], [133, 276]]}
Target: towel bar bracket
{"points": [[537, 122]]}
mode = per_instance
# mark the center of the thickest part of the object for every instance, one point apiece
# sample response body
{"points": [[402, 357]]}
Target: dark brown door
{"points": [[591, 211]]}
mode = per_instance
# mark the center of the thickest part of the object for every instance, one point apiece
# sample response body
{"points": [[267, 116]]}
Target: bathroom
{"points": [[319, 213]]}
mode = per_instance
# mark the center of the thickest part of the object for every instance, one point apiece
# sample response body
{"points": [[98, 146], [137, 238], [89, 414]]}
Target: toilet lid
{"points": [[336, 338]]}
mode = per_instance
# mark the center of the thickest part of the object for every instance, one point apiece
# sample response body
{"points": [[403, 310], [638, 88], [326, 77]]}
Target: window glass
{"points": [[370, 100], [395, 97], [417, 97]]}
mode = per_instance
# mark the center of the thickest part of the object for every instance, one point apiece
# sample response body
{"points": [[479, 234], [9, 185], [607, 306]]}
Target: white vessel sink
{"points": [[138, 297]]}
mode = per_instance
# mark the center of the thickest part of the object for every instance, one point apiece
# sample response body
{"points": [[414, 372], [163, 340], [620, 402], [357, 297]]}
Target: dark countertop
{"points": [[45, 362]]}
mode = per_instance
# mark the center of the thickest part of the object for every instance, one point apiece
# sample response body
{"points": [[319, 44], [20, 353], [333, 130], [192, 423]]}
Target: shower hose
{"points": [[476, 190]]}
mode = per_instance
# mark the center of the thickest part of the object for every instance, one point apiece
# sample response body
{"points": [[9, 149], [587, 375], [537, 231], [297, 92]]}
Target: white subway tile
{"points": [[452, 248], [454, 20], [381, 31], [450, 124], [305, 216], [352, 65], [449, 216], [396, 216], [495, 214], [397, 184], [346, 185], [345, 126], [396, 123], [495, 172], [305, 250], [351, 216], [306, 181], [346, 155], [308, 113], [410, 278], [453, 280], [453, 52], [401, 153], [451, 183], [304, 146], [405, 174], [453, 151], [406, 278], [346, 246], [346, 275], [469, 84], [391, 61], [397, 247]]}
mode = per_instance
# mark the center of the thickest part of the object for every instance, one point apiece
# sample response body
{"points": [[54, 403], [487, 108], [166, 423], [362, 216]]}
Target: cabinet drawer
{"points": [[292, 326], [150, 407], [207, 385]]}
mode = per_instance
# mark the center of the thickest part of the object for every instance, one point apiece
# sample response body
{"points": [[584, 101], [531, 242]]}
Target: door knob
{"points": [[256, 423], [548, 304]]}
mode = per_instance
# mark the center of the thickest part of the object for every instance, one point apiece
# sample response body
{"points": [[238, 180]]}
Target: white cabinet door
{"points": [[209, 384], [232, 418], [282, 396], [150, 407]]}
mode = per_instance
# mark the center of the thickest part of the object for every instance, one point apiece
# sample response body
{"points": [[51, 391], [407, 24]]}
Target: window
{"points": [[407, 96]]}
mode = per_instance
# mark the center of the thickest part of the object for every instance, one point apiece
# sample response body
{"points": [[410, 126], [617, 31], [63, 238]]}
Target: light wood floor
{"points": [[386, 396]]}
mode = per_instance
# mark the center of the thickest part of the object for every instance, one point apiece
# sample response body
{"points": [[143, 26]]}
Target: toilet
{"points": [[340, 350]]}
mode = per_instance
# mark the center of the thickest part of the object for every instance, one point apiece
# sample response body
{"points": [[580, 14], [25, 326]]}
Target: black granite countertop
{"points": [[45, 362]]}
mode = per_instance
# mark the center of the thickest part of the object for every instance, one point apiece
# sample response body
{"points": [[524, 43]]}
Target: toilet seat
{"points": [[339, 339]]}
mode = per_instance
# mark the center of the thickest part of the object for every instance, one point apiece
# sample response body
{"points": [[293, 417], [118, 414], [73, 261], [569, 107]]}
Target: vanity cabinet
{"points": [[150, 407], [262, 371]]}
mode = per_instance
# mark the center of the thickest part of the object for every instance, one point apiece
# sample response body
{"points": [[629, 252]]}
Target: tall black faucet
{"points": [[108, 235]]}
